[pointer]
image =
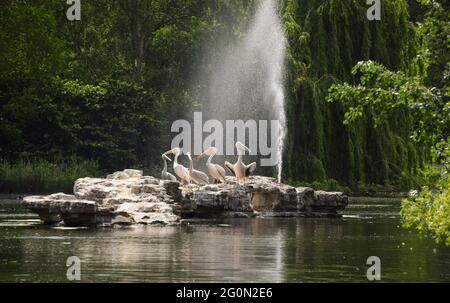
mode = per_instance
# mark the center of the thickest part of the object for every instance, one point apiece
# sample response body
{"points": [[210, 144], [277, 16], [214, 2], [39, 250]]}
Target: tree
{"points": [[379, 93]]}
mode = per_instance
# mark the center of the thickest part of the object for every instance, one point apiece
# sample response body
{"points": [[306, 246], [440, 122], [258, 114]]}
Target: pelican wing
{"points": [[182, 173], [230, 167], [249, 169], [199, 177], [171, 177], [221, 171]]}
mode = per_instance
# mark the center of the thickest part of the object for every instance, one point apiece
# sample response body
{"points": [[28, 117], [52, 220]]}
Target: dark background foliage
{"points": [[108, 87]]}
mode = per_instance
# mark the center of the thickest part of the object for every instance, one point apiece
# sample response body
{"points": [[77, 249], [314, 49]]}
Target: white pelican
{"points": [[239, 169], [198, 177], [165, 175], [215, 170], [181, 171]]}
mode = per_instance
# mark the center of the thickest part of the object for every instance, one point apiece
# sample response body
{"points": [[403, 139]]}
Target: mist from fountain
{"points": [[247, 81]]}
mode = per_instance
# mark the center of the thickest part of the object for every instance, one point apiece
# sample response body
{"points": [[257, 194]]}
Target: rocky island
{"points": [[128, 197]]}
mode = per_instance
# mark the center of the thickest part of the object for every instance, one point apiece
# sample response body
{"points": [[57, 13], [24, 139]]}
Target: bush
{"points": [[428, 211]]}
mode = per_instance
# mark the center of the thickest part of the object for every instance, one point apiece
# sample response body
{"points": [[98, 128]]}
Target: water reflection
{"points": [[264, 250]]}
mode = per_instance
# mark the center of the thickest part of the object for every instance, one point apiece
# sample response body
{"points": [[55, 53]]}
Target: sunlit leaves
{"points": [[429, 212], [380, 91]]}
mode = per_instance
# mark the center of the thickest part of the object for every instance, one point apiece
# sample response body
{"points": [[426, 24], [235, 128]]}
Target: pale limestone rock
{"points": [[127, 197], [61, 207], [125, 174], [133, 173], [122, 219]]}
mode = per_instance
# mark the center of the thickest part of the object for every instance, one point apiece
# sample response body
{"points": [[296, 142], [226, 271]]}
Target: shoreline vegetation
{"points": [[42, 176], [38, 176]]}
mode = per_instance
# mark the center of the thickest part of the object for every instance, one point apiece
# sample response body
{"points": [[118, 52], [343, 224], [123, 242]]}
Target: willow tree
{"points": [[424, 93], [326, 39]]}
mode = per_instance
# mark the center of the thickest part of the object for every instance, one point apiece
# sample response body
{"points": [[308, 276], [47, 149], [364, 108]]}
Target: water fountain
{"points": [[247, 81]]}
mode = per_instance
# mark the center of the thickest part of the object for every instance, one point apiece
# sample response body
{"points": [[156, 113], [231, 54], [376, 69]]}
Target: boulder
{"points": [[267, 195], [125, 174], [328, 203], [211, 199], [128, 197], [305, 198], [61, 207]]}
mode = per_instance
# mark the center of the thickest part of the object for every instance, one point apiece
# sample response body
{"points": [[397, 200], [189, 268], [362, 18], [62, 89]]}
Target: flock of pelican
{"points": [[190, 175]]}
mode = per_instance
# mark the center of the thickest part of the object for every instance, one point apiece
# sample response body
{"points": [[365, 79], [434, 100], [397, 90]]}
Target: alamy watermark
{"points": [[374, 11], [374, 271], [73, 13], [73, 272], [257, 131]]}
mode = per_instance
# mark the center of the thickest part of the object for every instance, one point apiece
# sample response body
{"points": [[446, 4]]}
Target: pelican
{"points": [[239, 169], [181, 171], [198, 177], [165, 175], [215, 170]]}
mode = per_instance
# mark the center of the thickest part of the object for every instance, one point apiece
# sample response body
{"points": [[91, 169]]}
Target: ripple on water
{"points": [[69, 228], [9, 214], [20, 223], [250, 250]]}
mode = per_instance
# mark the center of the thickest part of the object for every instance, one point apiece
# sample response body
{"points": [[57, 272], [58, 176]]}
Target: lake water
{"points": [[231, 250]]}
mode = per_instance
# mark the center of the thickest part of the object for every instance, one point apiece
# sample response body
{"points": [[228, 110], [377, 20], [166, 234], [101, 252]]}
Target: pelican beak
{"points": [[169, 152], [246, 148], [202, 155], [167, 158]]}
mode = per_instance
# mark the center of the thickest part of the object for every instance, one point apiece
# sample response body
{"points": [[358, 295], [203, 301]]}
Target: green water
{"points": [[232, 250]]}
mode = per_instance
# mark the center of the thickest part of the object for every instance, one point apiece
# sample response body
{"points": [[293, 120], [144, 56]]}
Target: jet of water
{"points": [[247, 81]]}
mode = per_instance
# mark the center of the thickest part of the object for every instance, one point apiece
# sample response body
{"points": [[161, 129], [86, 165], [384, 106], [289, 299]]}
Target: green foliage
{"points": [[105, 88], [101, 125], [326, 39], [40, 176], [380, 93], [30, 48], [429, 211]]}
